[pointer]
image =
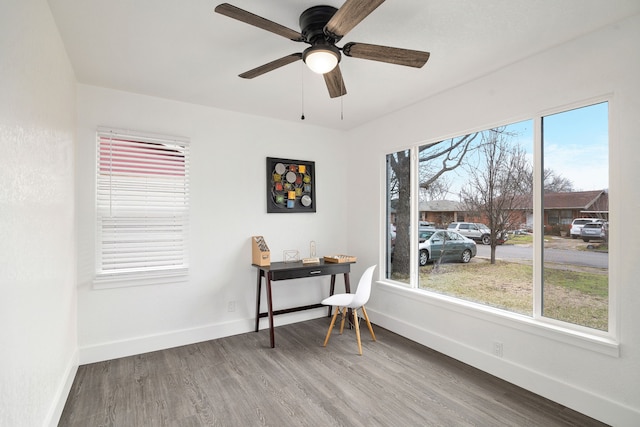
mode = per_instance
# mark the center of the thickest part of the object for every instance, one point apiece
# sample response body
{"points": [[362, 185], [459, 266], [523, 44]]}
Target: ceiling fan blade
{"points": [[334, 82], [271, 66], [392, 55], [348, 16], [258, 21]]}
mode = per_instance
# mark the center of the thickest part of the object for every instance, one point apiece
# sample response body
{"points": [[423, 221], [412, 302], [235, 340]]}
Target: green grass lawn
{"points": [[577, 297]]}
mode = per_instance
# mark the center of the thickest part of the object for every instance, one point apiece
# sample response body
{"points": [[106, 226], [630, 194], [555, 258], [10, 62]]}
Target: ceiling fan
{"points": [[322, 27]]}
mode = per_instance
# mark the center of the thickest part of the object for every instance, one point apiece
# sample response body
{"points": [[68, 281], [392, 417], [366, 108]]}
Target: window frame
{"points": [[605, 342], [155, 171], [612, 324]]}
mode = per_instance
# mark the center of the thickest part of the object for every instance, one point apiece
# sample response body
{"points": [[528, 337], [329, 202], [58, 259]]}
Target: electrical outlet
{"points": [[231, 306], [497, 348]]}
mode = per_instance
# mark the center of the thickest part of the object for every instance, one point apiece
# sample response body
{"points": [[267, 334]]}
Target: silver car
{"points": [[593, 231], [444, 245], [578, 223]]}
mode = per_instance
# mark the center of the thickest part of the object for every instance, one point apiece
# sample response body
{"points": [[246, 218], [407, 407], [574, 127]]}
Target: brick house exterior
{"points": [[559, 210]]}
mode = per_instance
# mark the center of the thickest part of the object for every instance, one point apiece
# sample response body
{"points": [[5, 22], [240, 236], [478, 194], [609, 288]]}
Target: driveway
{"points": [[557, 250]]}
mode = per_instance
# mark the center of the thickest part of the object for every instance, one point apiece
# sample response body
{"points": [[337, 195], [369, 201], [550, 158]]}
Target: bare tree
{"points": [[399, 181], [436, 190], [497, 182], [435, 160], [556, 183], [552, 182]]}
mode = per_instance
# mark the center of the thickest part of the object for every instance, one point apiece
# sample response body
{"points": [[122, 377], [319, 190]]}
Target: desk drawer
{"points": [[311, 271]]}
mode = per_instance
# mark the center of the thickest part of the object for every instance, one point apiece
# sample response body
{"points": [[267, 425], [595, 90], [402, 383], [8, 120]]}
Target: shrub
{"points": [[553, 230]]}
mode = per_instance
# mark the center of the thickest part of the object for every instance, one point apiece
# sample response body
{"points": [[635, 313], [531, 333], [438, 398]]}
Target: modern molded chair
{"points": [[342, 302]]}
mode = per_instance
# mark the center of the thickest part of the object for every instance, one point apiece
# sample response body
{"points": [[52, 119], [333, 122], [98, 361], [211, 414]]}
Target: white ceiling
{"points": [[182, 50]]}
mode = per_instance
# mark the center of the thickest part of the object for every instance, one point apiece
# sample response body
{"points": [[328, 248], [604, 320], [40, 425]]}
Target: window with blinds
{"points": [[142, 206]]}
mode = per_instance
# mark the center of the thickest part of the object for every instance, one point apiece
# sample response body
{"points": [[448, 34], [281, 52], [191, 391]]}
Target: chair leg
{"points": [[364, 311], [344, 317], [355, 320], [333, 322]]}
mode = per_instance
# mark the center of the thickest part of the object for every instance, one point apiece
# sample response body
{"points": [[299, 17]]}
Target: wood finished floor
{"points": [[241, 381]]}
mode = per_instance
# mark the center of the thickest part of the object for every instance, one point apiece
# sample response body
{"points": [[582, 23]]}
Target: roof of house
{"points": [[577, 200], [440, 206], [595, 200], [586, 201]]}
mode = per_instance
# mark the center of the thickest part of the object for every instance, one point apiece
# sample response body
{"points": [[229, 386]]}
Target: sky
{"points": [[575, 146]]}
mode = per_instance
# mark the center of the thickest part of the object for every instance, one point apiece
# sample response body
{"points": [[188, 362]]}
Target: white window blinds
{"points": [[142, 205]]}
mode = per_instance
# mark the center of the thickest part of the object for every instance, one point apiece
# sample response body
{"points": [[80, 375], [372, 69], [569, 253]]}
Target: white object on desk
{"points": [[291, 256]]}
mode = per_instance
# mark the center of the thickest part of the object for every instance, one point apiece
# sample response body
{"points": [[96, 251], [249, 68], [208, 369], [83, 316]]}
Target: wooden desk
{"points": [[295, 270]]}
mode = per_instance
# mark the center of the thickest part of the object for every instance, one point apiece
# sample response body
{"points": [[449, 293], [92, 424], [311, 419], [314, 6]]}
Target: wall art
{"points": [[291, 185]]}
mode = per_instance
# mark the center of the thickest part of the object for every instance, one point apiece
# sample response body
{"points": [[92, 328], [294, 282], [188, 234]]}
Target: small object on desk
{"points": [[339, 258], [313, 259], [260, 254], [291, 255]]}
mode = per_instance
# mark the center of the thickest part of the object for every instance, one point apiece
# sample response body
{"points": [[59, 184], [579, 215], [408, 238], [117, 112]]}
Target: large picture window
{"points": [[142, 200], [483, 201], [575, 283]]}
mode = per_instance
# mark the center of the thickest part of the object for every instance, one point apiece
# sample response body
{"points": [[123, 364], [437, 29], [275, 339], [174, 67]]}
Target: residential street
{"points": [[558, 250]]}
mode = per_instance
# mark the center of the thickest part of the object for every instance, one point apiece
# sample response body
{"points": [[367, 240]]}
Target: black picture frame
{"points": [[291, 185]]}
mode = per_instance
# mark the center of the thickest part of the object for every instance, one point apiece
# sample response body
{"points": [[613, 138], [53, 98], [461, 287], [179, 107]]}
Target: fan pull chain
{"points": [[302, 90], [341, 99]]}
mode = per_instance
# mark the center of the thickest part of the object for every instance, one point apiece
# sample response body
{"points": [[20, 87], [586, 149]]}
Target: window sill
{"points": [[540, 327], [126, 280]]}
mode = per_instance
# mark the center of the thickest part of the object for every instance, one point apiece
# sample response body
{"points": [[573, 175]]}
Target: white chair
{"points": [[342, 302]]}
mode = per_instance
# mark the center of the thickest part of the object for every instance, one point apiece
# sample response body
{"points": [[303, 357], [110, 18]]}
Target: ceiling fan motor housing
{"points": [[312, 23]]}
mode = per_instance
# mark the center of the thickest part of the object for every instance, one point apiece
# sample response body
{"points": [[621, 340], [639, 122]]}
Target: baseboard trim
{"points": [[64, 388], [583, 401], [144, 344]]}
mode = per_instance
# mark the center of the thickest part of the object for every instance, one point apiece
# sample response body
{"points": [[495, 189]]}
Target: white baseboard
{"points": [[583, 401], [60, 398], [161, 341]]}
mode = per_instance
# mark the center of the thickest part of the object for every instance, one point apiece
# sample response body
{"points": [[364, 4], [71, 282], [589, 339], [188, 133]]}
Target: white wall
{"points": [[600, 385], [38, 258], [228, 205], [38, 338]]}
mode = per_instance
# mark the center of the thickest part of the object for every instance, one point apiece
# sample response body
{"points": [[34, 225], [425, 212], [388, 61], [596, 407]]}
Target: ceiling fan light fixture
{"points": [[321, 58]]}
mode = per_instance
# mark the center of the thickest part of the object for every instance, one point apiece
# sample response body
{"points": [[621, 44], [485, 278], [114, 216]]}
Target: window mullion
{"points": [[414, 267], [538, 217]]}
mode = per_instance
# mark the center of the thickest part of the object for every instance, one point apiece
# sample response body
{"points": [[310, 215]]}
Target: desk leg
{"points": [[347, 285], [347, 289], [270, 304], [259, 291], [332, 290]]}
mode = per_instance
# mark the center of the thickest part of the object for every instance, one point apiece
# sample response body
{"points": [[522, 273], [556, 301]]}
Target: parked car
{"points": [[472, 230], [422, 225], [578, 223], [476, 231], [422, 228], [501, 236], [593, 231], [446, 245]]}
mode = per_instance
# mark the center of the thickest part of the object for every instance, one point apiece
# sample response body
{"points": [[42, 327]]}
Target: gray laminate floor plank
{"points": [[241, 381]]}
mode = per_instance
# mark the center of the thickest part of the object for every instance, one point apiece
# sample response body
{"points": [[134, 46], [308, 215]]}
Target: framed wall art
{"points": [[291, 185]]}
